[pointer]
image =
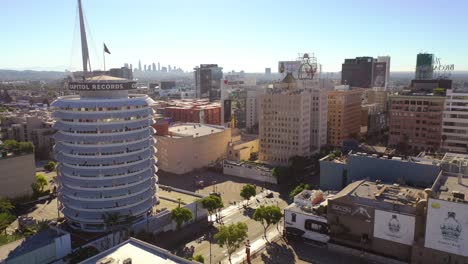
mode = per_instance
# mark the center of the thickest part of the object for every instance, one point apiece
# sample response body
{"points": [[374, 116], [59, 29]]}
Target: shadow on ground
{"points": [[276, 253]]}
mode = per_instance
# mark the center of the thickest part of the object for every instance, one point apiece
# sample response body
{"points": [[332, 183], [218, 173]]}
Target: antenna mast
{"points": [[84, 42]]}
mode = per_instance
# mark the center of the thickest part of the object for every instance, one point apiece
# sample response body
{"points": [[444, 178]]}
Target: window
{"points": [[293, 217], [316, 226]]}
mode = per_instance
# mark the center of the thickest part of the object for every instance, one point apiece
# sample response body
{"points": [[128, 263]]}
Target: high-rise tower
{"points": [[105, 149]]}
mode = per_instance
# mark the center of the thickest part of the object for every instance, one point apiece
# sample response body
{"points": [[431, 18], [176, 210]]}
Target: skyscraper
{"points": [[139, 65], [159, 67], [208, 79], [357, 72], [154, 67], [385, 59], [424, 66]]}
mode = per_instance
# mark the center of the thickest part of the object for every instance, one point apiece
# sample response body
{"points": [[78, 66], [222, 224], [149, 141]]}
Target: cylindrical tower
{"points": [[106, 154]]}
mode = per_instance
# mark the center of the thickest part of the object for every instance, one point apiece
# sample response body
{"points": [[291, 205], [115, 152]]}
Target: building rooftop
{"points": [[194, 130], [451, 187], [388, 193], [304, 203], [138, 251]]}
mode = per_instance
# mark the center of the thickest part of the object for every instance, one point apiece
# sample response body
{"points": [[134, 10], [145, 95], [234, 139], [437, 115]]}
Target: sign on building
{"points": [[285, 67], [447, 227], [394, 227]]}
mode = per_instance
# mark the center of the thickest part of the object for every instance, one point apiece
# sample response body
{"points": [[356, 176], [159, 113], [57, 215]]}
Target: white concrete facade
{"points": [[455, 122]]}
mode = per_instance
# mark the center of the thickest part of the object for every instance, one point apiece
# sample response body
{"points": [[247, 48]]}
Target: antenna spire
{"points": [[84, 42]]}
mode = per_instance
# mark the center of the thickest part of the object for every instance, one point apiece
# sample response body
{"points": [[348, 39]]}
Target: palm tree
{"points": [[111, 220]]}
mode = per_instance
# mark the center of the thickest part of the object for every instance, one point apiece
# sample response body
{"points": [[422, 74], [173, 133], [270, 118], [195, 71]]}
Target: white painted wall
{"points": [[300, 224], [249, 172]]}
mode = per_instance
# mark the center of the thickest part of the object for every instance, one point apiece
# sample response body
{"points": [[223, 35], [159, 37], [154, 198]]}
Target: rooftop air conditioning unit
{"points": [[107, 260]]}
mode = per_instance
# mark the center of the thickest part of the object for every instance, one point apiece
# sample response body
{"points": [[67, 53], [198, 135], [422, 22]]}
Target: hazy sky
{"points": [[238, 35]]}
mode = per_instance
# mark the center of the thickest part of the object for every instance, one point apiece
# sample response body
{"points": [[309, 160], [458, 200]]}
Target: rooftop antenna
{"points": [[84, 42]]}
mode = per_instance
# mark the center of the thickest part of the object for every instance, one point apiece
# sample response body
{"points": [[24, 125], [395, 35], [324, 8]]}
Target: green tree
{"points": [[199, 258], [248, 191], [82, 254], [41, 182], [212, 203], [5, 220], [231, 237], [11, 145], [301, 187], [111, 220], [6, 205], [267, 215], [50, 166], [26, 147], [181, 215]]}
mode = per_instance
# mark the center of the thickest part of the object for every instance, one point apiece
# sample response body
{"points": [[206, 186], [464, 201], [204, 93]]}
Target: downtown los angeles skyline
{"points": [[237, 36]]}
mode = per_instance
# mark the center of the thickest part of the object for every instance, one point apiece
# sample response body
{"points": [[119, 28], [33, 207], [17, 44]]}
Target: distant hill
{"points": [[12, 75]]}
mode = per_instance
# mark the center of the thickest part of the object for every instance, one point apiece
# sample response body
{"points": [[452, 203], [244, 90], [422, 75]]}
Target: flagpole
{"points": [[104, 57]]}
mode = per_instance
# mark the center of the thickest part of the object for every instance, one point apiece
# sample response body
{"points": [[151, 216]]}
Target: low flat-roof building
{"points": [[337, 172], [190, 146], [307, 216], [134, 251], [17, 174], [378, 218], [446, 236]]}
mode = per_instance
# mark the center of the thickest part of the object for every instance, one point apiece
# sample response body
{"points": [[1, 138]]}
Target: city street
{"points": [[233, 214]]}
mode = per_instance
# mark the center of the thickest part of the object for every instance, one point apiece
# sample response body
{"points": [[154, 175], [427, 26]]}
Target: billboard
{"points": [[394, 227], [447, 227], [379, 74], [285, 67]]}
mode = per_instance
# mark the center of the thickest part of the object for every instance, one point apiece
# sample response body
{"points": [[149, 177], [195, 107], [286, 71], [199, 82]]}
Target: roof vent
{"points": [[108, 260], [127, 261]]}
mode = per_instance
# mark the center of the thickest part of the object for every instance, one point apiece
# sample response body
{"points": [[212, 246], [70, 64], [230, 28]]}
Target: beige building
{"points": [[344, 114], [242, 147], [377, 96], [284, 122], [190, 146], [18, 172]]}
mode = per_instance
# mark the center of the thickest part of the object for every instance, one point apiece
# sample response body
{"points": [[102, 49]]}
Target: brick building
{"points": [[194, 111]]}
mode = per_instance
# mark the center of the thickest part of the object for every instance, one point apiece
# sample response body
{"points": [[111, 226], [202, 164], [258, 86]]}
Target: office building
{"points": [[284, 122], [424, 66], [318, 119], [415, 122], [123, 72], [344, 114], [139, 65], [234, 90], [208, 78], [153, 67], [193, 111], [267, 71], [377, 96], [167, 85], [190, 146], [358, 72], [252, 110], [159, 67], [455, 122], [428, 86], [386, 60], [366, 72], [104, 146]]}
